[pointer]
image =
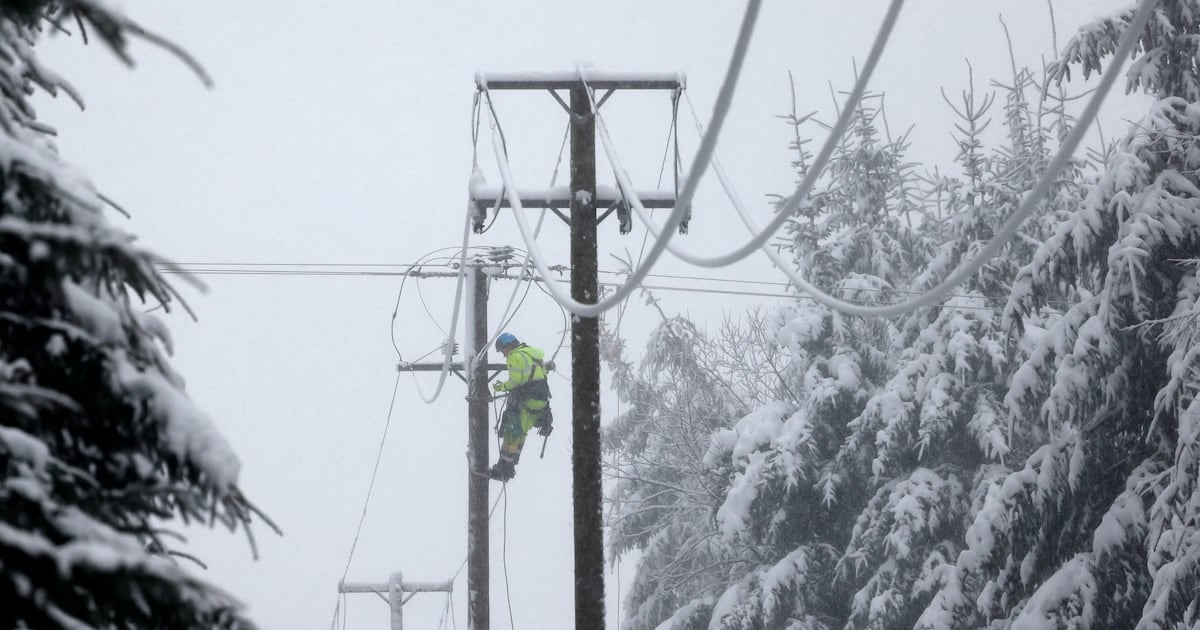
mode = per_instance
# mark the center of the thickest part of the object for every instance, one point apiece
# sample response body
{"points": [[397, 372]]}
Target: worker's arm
{"points": [[520, 369]]}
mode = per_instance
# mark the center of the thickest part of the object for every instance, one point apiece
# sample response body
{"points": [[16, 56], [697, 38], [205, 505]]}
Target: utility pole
{"points": [[478, 583], [395, 590], [582, 199], [475, 373], [585, 371]]}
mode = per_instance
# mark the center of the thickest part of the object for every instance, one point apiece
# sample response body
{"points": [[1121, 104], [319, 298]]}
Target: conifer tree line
{"points": [[101, 450], [1024, 456]]}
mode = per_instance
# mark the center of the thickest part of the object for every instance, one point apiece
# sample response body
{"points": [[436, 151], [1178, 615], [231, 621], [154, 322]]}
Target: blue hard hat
{"points": [[506, 340]]}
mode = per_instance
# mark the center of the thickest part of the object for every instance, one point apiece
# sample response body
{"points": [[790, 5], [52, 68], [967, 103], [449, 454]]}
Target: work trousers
{"points": [[519, 418]]}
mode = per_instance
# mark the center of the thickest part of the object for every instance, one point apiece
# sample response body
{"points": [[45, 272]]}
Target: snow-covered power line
{"points": [[458, 294], [759, 239], [1003, 234], [510, 311], [707, 145]]}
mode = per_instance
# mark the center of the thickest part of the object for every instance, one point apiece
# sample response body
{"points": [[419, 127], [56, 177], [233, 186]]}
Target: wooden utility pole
{"points": [[475, 373], [583, 200], [478, 583], [395, 589], [585, 370]]}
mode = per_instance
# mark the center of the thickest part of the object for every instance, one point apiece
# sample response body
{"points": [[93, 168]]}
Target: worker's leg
{"points": [[516, 425], [531, 410], [512, 437]]}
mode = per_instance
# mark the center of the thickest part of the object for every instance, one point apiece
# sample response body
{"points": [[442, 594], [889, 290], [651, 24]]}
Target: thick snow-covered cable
{"points": [[566, 320], [1028, 205], [793, 202], [509, 311], [458, 294], [707, 144]]}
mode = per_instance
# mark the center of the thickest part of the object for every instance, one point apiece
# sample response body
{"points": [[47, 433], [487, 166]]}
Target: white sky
{"points": [[339, 133]]}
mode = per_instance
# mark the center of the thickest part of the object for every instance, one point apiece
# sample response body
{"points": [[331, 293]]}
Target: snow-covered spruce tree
{"points": [[99, 444], [880, 511], [1099, 527], [938, 427], [778, 461], [687, 386]]}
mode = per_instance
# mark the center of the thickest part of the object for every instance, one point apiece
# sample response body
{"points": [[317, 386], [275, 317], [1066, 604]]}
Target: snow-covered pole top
{"points": [[568, 79]]}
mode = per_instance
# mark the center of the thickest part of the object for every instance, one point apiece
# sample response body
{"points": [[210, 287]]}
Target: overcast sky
{"points": [[340, 133]]}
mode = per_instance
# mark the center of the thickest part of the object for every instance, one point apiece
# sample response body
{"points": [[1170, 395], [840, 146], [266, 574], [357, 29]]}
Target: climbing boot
{"points": [[503, 470]]}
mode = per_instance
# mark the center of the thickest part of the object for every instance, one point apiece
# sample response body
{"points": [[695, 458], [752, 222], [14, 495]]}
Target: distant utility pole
{"points": [[582, 200], [395, 590]]}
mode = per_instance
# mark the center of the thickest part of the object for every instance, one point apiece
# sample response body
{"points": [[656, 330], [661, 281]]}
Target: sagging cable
{"points": [[703, 156]]}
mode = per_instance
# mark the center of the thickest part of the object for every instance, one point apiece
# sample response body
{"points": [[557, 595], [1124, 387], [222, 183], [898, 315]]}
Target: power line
{"points": [[1005, 232], [314, 269], [760, 238], [458, 298], [237, 269], [367, 501], [682, 203]]}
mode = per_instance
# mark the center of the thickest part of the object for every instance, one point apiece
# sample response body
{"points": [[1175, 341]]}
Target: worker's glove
{"points": [[500, 387]]}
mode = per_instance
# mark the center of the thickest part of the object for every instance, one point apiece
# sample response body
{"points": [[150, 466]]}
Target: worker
{"points": [[528, 402]]}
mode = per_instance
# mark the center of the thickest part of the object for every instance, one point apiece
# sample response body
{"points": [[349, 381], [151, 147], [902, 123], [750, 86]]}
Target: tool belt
{"points": [[533, 390]]}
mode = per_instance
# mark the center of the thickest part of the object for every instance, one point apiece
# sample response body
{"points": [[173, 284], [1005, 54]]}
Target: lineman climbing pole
{"points": [[478, 578], [475, 373], [582, 200]]}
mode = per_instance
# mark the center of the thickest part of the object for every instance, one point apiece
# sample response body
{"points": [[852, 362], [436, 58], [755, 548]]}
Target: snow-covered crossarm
{"points": [[484, 197], [407, 587], [396, 592], [573, 78]]}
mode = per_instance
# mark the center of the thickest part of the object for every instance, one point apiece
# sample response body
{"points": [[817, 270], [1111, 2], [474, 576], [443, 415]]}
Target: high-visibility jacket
{"points": [[526, 373]]}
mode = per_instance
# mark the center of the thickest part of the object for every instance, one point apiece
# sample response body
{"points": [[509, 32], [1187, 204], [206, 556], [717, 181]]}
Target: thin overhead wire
{"points": [[707, 144], [707, 289], [504, 556], [233, 269], [409, 272], [281, 272], [759, 238], [463, 565], [1006, 231], [367, 500], [458, 295], [429, 313], [443, 621]]}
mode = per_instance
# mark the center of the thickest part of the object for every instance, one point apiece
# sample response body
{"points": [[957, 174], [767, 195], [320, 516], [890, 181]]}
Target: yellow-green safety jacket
{"points": [[526, 374]]}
